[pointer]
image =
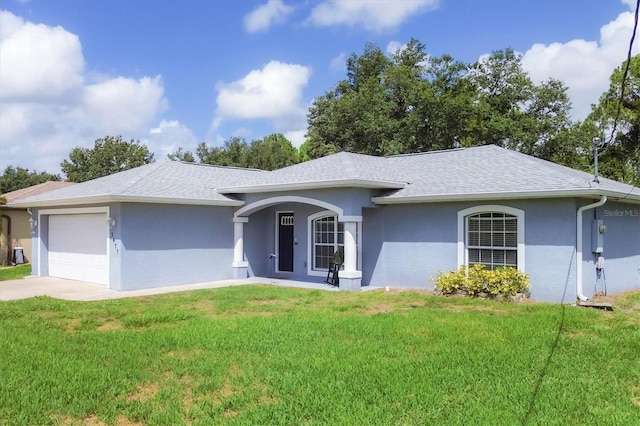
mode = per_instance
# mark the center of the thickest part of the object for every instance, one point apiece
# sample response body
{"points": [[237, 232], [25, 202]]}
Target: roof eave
{"points": [[126, 199], [564, 193], [324, 184]]}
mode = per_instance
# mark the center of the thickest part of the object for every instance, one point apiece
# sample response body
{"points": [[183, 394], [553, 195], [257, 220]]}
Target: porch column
{"points": [[350, 276], [240, 266]]}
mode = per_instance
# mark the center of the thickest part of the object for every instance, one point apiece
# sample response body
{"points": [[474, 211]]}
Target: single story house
{"points": [[398, 220], [15, 228]]}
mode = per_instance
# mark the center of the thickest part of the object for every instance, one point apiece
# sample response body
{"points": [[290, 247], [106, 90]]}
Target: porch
{"points": [[295, 238]]}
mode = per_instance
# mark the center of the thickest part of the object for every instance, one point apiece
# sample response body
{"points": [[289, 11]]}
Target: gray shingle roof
{"points": [[468, 173], [485, 172], [341, 169], [167, 181], [490, 170]]}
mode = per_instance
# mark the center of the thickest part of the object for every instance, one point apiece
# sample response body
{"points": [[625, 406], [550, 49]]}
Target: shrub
{"points": [[508, 282], [477, 279], [451, 281]]}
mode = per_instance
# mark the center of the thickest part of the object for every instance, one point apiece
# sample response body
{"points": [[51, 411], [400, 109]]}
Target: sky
{"points": [[173, 73]]}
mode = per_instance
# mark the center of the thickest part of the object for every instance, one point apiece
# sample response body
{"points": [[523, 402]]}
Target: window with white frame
{"points": [[328, 236], [492, 236], [492, 240]]}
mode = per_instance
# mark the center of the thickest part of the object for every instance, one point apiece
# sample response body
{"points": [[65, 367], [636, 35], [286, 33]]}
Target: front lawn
{"points": [[261, 355], [14, 272]]}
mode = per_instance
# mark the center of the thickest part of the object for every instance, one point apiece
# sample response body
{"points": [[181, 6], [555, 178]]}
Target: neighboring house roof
{"points": [[478, 173], [162, 182], [35, 190]]}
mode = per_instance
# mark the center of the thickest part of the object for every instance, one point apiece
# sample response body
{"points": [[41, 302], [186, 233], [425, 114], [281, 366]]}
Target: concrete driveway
{"points": [[77, 290]]}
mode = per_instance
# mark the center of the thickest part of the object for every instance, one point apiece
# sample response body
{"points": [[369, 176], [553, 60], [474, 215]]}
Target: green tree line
{"points": [[409, 102]]}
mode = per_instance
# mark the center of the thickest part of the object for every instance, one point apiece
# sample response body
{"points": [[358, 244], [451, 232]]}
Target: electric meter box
{"points": [[597, 236]]}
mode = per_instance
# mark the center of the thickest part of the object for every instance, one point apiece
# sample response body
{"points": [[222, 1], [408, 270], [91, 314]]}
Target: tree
{"points": [[180, 155], [409, 102], [14, 178], [109, 155], [620, 150], [234, 153], [355, 116], [273, 152], [511, 111]]}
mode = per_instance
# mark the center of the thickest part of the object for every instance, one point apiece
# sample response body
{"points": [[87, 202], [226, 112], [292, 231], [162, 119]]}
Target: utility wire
{"points": [[624, 74]]}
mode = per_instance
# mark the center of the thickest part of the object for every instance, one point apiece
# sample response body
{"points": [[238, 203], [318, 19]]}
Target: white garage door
{"points": [[78, 247]]}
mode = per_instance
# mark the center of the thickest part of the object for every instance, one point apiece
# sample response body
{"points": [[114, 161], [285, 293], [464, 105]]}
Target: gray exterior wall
{"points": [[351, 200], [406, 245], [161, 245], [403, 246], [621, 249]]}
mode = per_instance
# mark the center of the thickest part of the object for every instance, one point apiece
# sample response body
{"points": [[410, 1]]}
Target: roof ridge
{"points": [[220, 166], [437, 151], [549, 167], [153, 168]]}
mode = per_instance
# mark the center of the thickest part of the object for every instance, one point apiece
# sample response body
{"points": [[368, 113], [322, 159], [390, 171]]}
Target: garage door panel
{"points": [[78, 247]]}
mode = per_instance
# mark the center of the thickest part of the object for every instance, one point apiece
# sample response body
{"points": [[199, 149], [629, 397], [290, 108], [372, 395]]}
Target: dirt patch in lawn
{"points": [[476, 308], [110, 325], [206, 306], [92, 421], [73, 324], [144, 393], [379, 309]]}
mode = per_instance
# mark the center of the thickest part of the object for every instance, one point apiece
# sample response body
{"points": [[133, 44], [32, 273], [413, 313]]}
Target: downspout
{"points": [[579, 293]]}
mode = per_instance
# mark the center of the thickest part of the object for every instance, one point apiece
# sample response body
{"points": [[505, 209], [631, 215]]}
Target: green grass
{"points": [[258, 355], [14, 272]]}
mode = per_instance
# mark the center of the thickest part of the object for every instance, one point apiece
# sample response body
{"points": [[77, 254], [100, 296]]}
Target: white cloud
{"points": [[123, 105], [394, 46], [47, 108], [273, 92], [584, 66], [262, 17], [168, 137], [38, 62], [296, 137], [372, 15]]}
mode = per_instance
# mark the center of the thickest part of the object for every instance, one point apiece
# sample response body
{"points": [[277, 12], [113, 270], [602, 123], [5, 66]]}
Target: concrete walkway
{"points": [[77, 290]]}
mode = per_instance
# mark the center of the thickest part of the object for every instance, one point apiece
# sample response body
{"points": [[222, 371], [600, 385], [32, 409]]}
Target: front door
{"points": [[285, 242]]}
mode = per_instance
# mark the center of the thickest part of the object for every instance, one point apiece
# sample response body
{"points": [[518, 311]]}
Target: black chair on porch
{"points": [[334, 268]]}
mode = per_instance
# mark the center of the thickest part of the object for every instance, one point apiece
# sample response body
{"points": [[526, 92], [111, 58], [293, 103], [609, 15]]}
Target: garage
{"points": [[78, 247]]}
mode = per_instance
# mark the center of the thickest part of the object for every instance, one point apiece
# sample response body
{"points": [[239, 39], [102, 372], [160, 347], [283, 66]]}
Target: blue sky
{"points": [[173, 73]]}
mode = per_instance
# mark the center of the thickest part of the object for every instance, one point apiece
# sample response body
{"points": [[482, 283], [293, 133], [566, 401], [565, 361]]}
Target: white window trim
{"points": [[323, 273], [463, 253]]}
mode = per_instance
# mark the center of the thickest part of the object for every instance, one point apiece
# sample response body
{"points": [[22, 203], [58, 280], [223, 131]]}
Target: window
{"points": [[492, 240], [325, 236], [492, 236], [328, 235]]}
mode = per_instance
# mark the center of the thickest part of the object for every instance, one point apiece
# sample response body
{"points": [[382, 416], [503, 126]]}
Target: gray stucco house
{"points": [[399, 220]]}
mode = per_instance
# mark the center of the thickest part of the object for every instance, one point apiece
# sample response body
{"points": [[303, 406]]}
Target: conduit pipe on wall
{"points": [[582, 209]]}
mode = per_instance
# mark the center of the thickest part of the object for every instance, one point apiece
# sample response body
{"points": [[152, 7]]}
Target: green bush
{"points": [[452, 281], [477, 279]]}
